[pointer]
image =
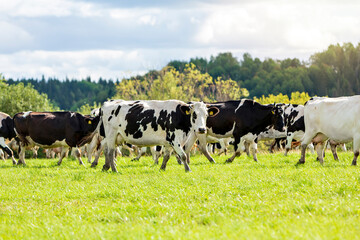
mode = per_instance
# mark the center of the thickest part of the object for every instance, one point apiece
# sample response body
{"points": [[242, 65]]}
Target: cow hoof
{"points": [[353, 163], [14, 163], [228, 161], [93, 165], [212, 161], [299, 163], [134, 160], [162, 169], [105, 168]]}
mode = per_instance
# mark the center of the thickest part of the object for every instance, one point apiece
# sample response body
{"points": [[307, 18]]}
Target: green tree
{"points": [[20, 98]]}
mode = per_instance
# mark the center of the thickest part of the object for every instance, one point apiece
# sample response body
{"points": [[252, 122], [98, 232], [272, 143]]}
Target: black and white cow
{"points": [[331, 118], [149, 123], [6, 132], [236, 119], [53, 129]]}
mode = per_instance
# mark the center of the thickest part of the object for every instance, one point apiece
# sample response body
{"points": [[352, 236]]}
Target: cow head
{"points": [[199, 113], [278, 117], [91, 123]]}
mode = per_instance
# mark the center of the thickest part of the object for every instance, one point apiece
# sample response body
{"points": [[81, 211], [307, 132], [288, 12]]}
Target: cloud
{"points": [[13, 37], [117, 38]]}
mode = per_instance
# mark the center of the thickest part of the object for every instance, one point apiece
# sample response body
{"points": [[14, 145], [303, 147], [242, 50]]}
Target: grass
{"points": [[271, 199]]}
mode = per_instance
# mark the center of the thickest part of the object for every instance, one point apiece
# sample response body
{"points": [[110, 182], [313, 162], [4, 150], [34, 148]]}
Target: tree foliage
{"points": [[189, 85], [296, 98], [72, 94], [20, 97]]}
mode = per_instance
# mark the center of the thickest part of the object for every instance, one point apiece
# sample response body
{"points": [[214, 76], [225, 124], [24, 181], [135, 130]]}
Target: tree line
{"points": [[333, 72]]}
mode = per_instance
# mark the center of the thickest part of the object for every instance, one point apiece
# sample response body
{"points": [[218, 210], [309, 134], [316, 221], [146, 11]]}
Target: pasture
{"points": [[271, 199]]}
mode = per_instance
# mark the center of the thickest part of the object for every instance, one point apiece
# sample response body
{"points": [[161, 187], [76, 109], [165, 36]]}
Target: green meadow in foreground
{"points": [[271, 199]]}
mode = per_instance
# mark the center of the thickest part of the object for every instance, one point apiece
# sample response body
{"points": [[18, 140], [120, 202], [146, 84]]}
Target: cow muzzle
{"points": [[202, 130]]}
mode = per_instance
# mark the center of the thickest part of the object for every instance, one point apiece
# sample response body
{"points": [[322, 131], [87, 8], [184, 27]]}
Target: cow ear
{"points": [[185, 109], [213, 111]]}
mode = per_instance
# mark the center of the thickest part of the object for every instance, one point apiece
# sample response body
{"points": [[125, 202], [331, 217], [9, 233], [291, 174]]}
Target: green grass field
{"points": [[271, 199]]}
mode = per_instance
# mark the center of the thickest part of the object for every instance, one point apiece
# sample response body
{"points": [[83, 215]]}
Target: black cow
{"points": [[53, 129], [238, 118], [6, 132]]}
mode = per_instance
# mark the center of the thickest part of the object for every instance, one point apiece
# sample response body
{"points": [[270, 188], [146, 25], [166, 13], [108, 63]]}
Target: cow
{"points": [[251, 139], [295, 128], [235, 119], [331, 118], [294, 124], [53, 129], [167, 123], [6, 132]]}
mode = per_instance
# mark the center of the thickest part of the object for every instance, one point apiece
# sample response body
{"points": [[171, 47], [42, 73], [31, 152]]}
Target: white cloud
{"points": [[95, 38], [72, 64], [290, 26], [13, 37], [43, 8]]}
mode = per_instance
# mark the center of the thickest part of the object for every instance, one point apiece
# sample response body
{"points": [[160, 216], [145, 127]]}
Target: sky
{"points": [[118, 39]]}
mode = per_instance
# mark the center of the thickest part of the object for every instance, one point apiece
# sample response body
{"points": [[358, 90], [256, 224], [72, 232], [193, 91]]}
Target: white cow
{"points": [[334, 118]]}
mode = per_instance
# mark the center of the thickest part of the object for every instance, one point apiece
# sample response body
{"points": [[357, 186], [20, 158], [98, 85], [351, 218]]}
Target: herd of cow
{"points": [[176, 126]]}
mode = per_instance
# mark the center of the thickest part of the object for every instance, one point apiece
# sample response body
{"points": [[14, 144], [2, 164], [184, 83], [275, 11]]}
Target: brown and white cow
{"points": [[53, 129]]}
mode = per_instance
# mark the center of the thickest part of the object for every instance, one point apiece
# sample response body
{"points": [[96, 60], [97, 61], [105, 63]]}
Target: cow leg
{"points": [[111, 155], [22, 155], [203, 149], [107, 162], [307, 138], [247, 148], [90, 148], [98, 153], [156, 152], [118, 152], [237, 150], [356, 146], [333, 150], [62, 154], [166, 158], [77, 153], [4, 147], [141, 153], [35, 151], [320, 148], [188, 146], [222, 147], [253, 147], [311, 147], [289, 138], [182, 155], [356, 154]]}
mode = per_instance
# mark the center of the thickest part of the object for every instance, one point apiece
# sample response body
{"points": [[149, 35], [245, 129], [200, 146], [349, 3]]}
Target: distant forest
{"points": [[333, 72]]}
